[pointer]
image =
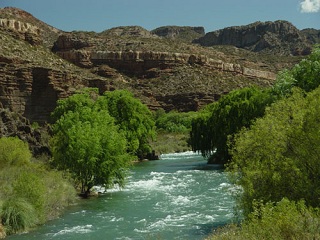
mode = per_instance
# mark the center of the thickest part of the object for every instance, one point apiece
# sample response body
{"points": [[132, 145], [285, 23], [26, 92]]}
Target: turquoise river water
{"points": [[177, 197]]}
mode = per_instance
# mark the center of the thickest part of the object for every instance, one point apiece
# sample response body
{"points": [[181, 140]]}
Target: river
{"points": [[177, 197]]}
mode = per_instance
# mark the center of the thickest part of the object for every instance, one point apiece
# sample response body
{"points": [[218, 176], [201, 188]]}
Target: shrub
{"points": [[30, 187], [174, 122], [279, 155], [45, 192], [13, 152], [283, 220], [17, 215], [59, 193]]}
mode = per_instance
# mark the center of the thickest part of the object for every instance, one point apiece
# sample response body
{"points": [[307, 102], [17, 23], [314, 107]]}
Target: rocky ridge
{"points": [[312, 35], [47, 34], [187, 34], [280, 37], [164, 72]]}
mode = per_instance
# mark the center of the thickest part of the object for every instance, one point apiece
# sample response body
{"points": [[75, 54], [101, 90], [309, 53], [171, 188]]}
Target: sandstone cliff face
{"points": [[279, 36], [23, 23], [13, 124], [22, 30], [163, 73], [34, 90], [32, 78], [137, 63]]}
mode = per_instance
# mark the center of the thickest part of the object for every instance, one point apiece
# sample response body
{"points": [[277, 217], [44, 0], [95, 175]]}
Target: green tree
{"points": [[88, 144], [279, 155], [133, 117], [305, 75], [225, 118], [174, 122]]}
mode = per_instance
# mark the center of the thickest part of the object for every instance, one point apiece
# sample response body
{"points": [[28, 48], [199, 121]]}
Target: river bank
{"points": [[167, 199]]}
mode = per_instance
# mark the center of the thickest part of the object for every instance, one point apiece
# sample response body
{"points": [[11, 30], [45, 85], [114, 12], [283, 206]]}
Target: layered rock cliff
{"points": [[21, 23], [279, 37], [13, 124], [32, 78], [138, 63], [163, 72]]}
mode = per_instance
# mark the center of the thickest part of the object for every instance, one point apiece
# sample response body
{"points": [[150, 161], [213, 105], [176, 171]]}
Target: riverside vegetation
{"points": [[269, 144], [111, 130], [273, 156], [30, 193]]}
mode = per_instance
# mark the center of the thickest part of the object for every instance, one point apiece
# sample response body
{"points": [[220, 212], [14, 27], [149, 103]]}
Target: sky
{"points": [[99, 15]]}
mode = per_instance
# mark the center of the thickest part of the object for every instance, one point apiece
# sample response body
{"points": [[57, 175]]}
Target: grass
{"points": [[170, 143]]}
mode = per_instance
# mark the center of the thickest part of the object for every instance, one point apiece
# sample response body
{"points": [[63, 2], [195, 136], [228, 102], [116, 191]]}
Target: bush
{"points": [[13, 152], [17, 215], [279, 155], [59, 193], [174, 122], [32, 192], [29, 186], [283, 220], [304, 75]]}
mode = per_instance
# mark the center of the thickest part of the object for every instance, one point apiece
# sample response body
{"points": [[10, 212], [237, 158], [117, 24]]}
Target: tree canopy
{"points": [[238, 109], [226, 117], [279, 155], [96, 137], [133, 117], [88, 144], [305, 75]]}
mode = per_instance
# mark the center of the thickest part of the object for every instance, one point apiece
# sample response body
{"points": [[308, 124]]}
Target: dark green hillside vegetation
{"points": [[97, 137], [30, 193]]}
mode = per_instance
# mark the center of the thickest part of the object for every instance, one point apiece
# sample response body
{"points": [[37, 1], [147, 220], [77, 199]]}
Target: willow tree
{"points": [[133, 118], [211, 130], [279, 155], [88, 144]]}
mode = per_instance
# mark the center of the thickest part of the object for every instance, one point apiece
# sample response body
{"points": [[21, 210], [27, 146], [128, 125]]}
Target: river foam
{"points": [[173, 198]]}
